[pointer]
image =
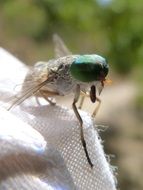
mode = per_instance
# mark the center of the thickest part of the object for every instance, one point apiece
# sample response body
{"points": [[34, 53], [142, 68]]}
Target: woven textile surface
{"points": [[59, 129]]}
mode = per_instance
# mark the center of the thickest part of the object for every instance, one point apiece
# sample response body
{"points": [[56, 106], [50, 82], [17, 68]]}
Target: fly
{"points": [[65, 74]]}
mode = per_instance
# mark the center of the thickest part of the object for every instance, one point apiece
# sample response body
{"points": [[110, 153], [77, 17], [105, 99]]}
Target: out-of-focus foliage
{"points": [[114, 28]]}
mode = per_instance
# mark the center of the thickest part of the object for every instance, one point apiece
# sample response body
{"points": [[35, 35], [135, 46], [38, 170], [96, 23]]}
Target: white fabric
{"points": [[59, 131]]}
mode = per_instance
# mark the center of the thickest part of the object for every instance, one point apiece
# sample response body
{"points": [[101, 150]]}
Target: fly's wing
{"points": [[36, 78], [23, 95], [60, 48]]}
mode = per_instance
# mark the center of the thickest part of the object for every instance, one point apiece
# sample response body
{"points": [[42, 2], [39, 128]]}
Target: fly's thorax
{"points": [[64, 82], [54, 67], [59, 70], [68, 60]]}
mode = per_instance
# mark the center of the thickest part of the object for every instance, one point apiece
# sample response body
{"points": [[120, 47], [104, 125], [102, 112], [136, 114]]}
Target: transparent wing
{"points": [[36, 78], [60, 48], [23, 95]]}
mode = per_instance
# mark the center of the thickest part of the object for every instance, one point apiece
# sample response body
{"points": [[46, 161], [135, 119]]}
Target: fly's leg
{"points": [[43, 94], [37, 101], [81, 102], [77, 94], [83, 95], [97, 107]]}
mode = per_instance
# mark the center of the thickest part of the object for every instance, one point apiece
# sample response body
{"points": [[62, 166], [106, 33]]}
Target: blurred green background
{"points": [[111, 28]]}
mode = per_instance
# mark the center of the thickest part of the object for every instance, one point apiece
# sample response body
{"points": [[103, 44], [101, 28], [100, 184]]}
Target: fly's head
{"points": [[90, 69]]}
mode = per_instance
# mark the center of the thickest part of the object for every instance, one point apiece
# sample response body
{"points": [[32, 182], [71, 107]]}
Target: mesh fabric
{"points": [[60, 129]]}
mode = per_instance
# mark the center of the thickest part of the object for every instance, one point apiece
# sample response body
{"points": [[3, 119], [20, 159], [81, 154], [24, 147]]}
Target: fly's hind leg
{"points": [[77, 94], [37, 100], [45, 94]]}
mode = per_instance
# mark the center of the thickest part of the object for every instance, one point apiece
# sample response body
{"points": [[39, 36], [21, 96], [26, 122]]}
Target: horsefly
{"points": [[67, 73]]}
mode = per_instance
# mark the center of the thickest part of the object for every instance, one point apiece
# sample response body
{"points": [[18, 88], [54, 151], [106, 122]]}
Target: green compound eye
{"points": [[88, 68]]}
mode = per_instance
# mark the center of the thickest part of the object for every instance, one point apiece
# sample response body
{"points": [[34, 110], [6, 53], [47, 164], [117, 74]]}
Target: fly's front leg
{"points": [[77, 94], [81, 102], [83, 95], [97, 107]]}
